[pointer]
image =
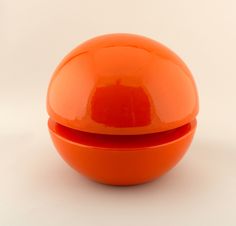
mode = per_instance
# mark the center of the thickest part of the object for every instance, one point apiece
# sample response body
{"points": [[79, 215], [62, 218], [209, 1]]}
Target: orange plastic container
{"points": [[122, 109]]}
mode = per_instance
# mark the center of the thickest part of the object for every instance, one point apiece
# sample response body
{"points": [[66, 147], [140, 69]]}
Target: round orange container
{"points": [[122, 109]]}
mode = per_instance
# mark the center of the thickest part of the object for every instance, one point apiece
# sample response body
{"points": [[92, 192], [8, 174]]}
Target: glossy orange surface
{"points": [[122, 109], [118, 162], [122, 84]]}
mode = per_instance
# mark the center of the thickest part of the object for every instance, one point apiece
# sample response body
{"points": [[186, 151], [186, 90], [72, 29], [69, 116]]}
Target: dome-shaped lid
{"points": [[122, 84]]}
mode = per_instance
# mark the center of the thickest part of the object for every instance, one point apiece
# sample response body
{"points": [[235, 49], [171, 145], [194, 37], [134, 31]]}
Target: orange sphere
{"points": [[122, 109]]}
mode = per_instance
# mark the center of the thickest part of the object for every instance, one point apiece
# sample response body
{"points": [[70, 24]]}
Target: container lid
{"points": [[122, 84]]}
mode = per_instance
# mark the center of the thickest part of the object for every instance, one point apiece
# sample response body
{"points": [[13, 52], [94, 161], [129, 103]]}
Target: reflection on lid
{"points": [[120, 106]]}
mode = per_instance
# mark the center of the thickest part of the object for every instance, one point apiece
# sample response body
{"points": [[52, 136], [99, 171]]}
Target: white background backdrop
{"points": [[38, 188]]}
